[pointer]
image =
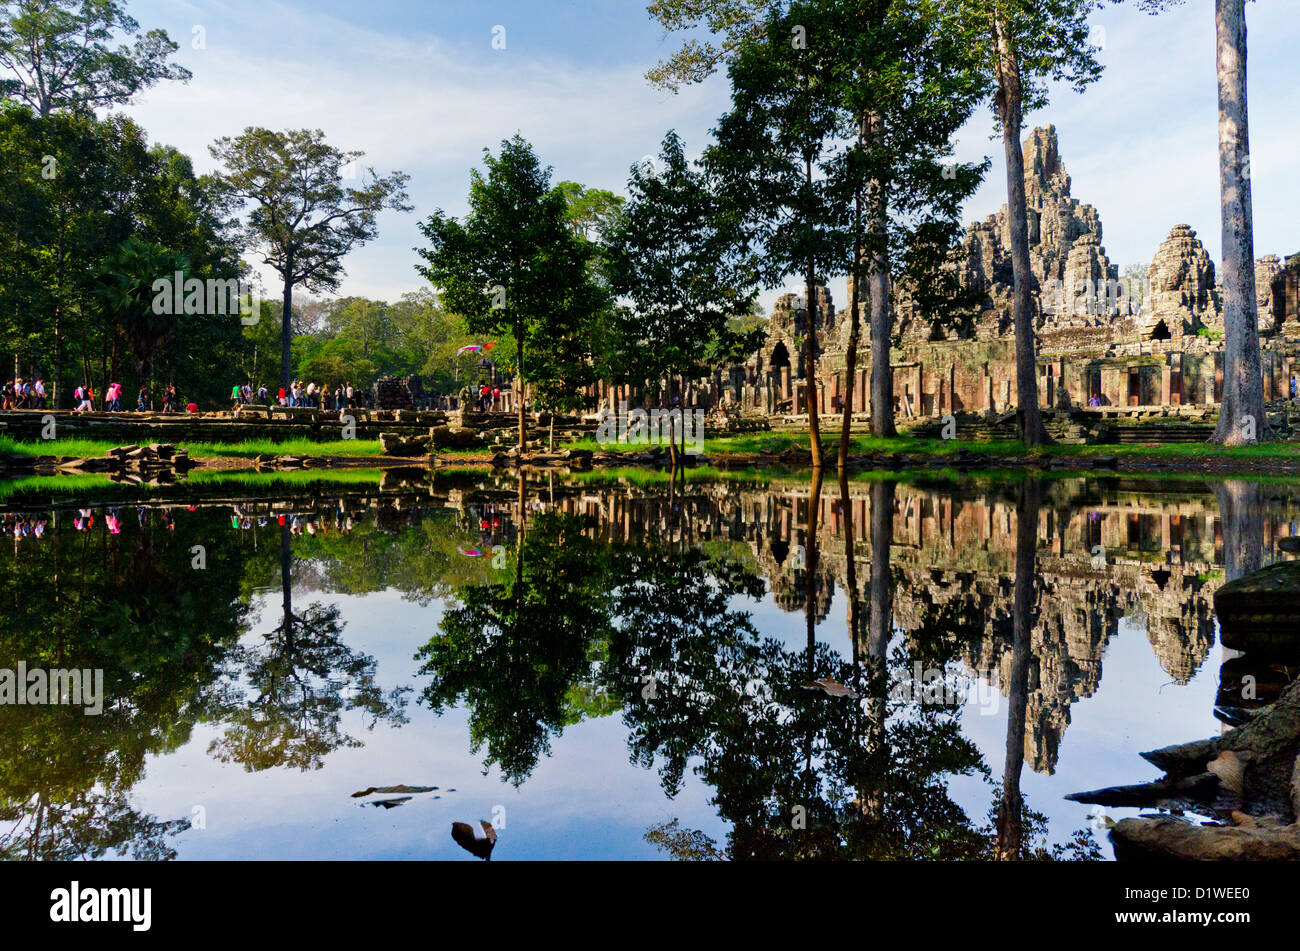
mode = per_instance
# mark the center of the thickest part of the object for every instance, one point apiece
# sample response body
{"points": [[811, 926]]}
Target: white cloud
{"points": [[1140, 144]]}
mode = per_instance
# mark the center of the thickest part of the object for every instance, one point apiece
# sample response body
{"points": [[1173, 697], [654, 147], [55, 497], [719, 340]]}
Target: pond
{"points": [[610, 666]]}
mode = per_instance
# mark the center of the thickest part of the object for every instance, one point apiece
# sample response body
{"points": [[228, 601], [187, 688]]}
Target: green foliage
{"points": [[515, 267], [513, 647], [591, 211], [58, 55], [1045, 43], [674, 257], [305, 219], [79, 189]]}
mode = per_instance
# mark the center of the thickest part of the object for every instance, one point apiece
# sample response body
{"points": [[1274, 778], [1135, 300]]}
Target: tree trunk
{"points": [[880, 616], [810, 567], [1241, 512], [1029, 417], [880, 628], [1011, 808], [286, 330], [851, 357], [855, 319], [810, 343], [882, 374], [523, 425], [851, 566], [1241, 417]]}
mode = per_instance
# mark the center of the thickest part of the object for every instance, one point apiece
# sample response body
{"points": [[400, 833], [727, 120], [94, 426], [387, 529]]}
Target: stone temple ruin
{"points": [[1130, 346]]}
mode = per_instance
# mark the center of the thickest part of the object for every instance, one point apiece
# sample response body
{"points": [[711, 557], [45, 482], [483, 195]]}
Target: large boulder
{"points": [[447, 437], [1260, 612], [396, 444], [1175, 838]]}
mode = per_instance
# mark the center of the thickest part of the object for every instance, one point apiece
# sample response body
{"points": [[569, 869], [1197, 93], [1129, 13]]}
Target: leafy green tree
{"points": [[305, 219], [674, 257], [59, 56], [770, 148], [305, 678], [127, 294], [591, 210], [905, 92], [514, 265], [125, 604], [85, 187]]}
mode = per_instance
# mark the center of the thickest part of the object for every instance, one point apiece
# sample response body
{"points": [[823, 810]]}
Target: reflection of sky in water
{"points": [[586, 799]]}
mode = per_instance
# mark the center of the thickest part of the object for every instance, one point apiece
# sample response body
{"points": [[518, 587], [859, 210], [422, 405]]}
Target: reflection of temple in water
{"points": [[1108, 550], [1150, 556]]}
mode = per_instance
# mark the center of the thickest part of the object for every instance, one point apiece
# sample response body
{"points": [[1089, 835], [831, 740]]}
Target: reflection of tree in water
{"points": [[88, 827], [791, 768], [512, 649], [796, 773], [799, 774], [128, 605], [303, 679]]}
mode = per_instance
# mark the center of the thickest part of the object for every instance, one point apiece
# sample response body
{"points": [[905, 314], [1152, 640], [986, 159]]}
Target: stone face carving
{"points": [[1065, 255], [1286, 297], [1271, 293], [1182, 296]]}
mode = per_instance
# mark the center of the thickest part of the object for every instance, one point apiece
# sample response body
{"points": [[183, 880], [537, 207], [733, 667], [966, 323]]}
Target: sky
{"points": [[419, 86]]}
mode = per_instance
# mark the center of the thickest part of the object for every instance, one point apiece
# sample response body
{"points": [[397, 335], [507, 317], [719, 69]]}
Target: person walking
{"points": [[142, 400]]}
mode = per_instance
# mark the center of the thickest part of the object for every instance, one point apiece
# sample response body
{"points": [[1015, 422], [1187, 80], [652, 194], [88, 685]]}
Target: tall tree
{"points": [[305, 220], [673, 256], [1241, 417], [904, 87], [1021, 45], [514, 265], [770, 154], [59, 56], [888, 76], [127, 296]]}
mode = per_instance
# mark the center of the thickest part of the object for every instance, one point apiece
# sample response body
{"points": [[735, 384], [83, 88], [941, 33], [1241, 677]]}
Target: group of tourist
{"points": [[488, 397], [35, 525], [343, 396], [83, 400], [309, 524], [24, 394]]}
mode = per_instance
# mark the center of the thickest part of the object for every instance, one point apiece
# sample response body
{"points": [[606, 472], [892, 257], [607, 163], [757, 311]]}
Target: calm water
{"points": [[607, 670]]}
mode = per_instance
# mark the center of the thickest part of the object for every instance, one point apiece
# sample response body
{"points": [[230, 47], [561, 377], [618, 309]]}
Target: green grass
{"points": [[353, 448], [54, 485], [641, 477], [742, 444], [298, 477], [775, 443], [244, 449], [357, 448]]}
